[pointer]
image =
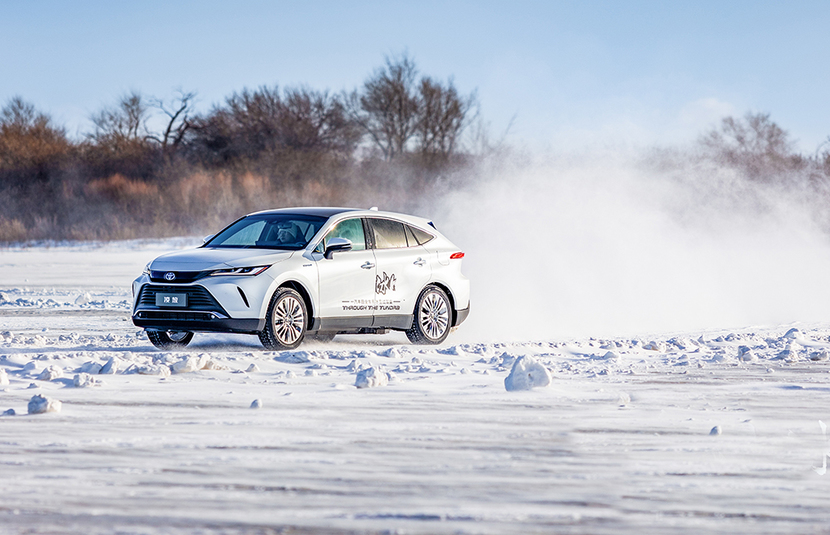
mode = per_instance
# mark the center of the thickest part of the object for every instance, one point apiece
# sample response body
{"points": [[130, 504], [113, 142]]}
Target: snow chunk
{"points": [[110, 367], [9, 412], [253, 368], [49, 373], [819, 355], [41, 404], [4, 377], [90, 367], [655, 346], [83, 299], [527, 373], [370, 377], [149, 369], [792, 334], [715, 430], [213, 365], [256, 404], [745, 354], [83, 380], [190, 364]]}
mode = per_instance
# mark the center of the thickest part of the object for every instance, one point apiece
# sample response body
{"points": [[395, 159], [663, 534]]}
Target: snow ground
{"points": [[704, 432]]}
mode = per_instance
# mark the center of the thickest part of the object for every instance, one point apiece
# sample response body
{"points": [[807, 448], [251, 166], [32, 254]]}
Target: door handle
{"points": [[368, 265], [420, 262]]}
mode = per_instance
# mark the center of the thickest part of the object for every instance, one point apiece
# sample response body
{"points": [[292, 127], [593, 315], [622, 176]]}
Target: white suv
{"points": [[284, 274]]}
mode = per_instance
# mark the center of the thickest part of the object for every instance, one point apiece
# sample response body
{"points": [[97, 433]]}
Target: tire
{"points": [[286, 322], [433, 314], [170, 339]]}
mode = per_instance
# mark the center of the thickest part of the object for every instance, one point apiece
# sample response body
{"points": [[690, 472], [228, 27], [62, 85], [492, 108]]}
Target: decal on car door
{"points": [[384, 284]]}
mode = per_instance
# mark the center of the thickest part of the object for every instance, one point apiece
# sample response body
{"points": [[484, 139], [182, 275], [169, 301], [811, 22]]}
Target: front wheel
{"points": [[170, 339], [285, 323], [432, 317]]}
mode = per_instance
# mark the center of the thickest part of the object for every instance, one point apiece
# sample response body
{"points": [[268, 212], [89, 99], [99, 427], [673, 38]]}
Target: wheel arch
{"points": [[304, 293], [446, 289]]}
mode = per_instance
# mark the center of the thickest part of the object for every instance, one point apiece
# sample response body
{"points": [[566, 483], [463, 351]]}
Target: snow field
{"points": [[373, 435]]}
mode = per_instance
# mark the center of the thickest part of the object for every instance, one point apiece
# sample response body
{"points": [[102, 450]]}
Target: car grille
{"points": [[182, 277], [178, 316], [198, 298]]}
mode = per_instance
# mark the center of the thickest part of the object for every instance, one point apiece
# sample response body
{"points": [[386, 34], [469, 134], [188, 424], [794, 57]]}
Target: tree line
{"points": [[395, 139], [156, 167]]}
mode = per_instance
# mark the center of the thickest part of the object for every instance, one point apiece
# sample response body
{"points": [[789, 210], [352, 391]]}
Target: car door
{"points": [[347, 279], [403, 269]]}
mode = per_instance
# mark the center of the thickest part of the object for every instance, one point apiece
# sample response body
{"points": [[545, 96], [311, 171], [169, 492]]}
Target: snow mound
{"points": [[715, 431], [296, 357], [8, 412], [41, 404], [392, 353], [149, 369], [49, 373], [83, 299], [253, 368], [371, 377], [256, 404], [527, 373], [4, 377]]}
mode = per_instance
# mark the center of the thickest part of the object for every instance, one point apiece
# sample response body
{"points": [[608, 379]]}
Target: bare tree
{"points": [[387, 108], [179, 121], [29, 142], [753, 143], [253, 123], [443, 115], [122, 125]]}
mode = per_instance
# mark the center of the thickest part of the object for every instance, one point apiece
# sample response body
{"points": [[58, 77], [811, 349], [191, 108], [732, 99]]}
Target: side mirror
{"points": [[337, 245], [208, 238]]}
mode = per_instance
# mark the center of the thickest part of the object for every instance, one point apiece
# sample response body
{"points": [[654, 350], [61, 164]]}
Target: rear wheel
{"points": [[432, 317], [285, 323], [170, 339]]}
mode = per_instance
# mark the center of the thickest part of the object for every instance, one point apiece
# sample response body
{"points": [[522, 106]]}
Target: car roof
{"points": [[329, 212], [316, 211]]}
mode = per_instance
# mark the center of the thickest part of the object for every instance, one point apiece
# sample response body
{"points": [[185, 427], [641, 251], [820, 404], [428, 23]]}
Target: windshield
{"points": [[269, 231]]}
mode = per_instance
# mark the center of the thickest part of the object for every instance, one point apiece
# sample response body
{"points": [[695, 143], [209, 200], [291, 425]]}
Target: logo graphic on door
{"points": [[384, 284]]}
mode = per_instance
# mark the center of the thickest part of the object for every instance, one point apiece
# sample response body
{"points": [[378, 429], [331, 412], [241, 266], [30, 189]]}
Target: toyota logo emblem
{"points": [[169, 276]]}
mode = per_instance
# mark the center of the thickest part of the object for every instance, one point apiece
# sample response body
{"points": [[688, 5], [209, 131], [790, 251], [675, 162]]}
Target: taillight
{"points": [[456, 256]]}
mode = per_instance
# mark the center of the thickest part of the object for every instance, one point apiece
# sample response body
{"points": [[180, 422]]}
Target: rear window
{"points": [[420, 235], [388, 234]]}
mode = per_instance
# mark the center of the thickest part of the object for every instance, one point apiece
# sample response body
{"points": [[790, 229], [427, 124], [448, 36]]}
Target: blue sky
{"points": [[573, 74]]}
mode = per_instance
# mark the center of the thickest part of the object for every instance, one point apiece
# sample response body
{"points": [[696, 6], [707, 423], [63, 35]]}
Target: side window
{"points": [[350, 229], [388, 234], [420, 235]]}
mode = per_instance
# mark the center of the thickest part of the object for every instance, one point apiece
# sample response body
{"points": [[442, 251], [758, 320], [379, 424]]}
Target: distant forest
{"points": [[397, 140]]}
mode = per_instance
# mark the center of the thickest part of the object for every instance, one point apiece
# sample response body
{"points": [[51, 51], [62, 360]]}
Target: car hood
{"points": [[203, 259]]}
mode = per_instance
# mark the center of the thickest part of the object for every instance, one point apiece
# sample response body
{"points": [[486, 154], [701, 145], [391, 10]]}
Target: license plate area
{"points": [[171, 300]]}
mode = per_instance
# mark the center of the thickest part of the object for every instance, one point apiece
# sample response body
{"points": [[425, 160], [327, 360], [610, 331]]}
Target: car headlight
{"points": [[147, 268], [244, 271]]}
